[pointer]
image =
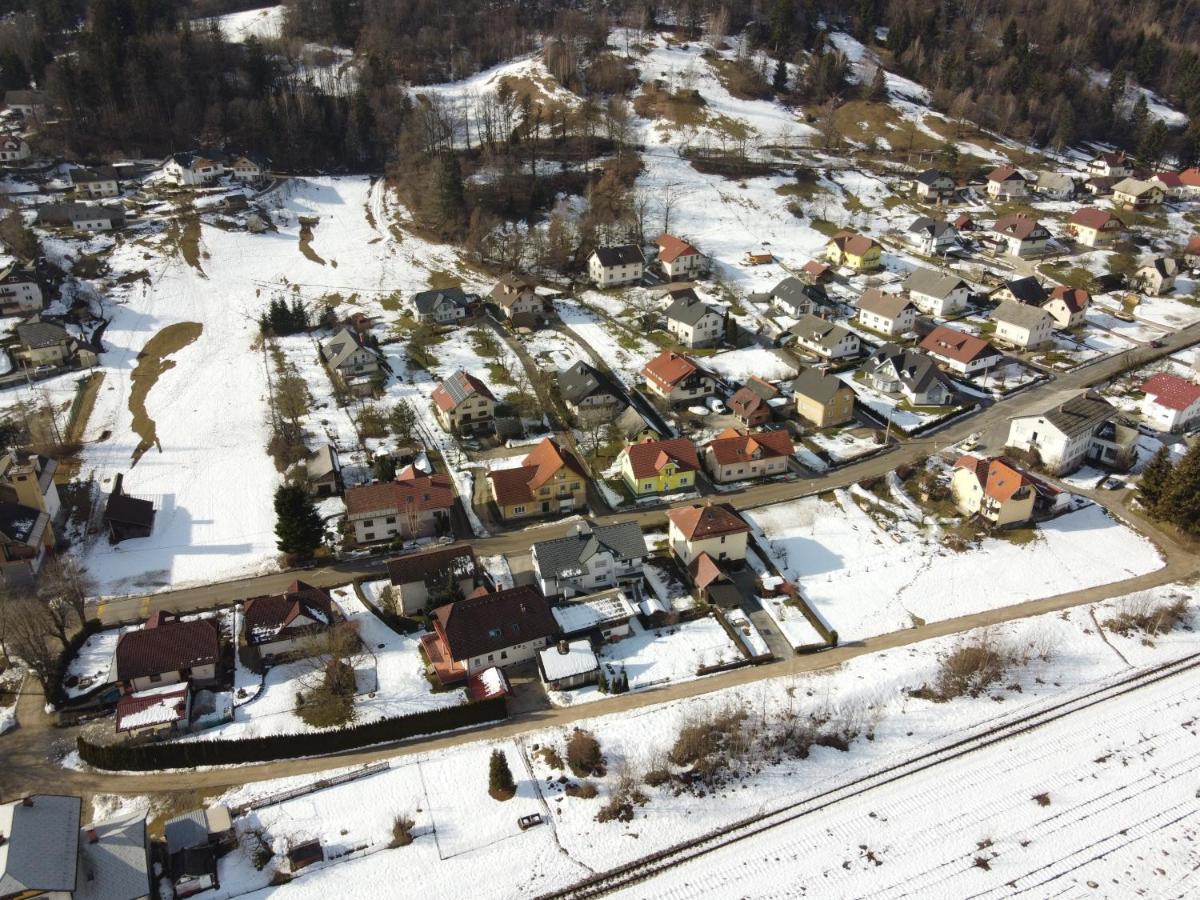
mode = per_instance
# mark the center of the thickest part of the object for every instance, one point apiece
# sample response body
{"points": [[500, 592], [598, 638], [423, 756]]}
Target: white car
{"points": [[715, 405]]}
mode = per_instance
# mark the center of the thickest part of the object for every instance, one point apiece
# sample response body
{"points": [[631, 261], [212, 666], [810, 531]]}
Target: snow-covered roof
{"points": [[578, 660], [593, 611]]}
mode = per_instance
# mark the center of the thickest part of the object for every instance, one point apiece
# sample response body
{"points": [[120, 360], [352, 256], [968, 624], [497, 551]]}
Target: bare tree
{"points": [[65, 580], [30, 626]]}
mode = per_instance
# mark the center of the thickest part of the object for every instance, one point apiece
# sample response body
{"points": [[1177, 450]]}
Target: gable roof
{"points": [[733, 446], [1172, 391], [819, 331], [649, 457], [932, 227], [567, 555], [1135, 187], [36, 334], [669, 368], [1075, 299], [1020, 226], [890, 306], [1055, 180], [339, 348], [510, 288], [420, 493], [1190, 177], [426, 302], [795, 293], [114, 854], [584, 380], [1193, 245], [485, 623], [42, 845], [959, 346], [1079, 415], [670, 248], [432, 564], [1091, 217], [709, 520], [752, 395], [932, 284], [1005, 173], [84, 175], [998, 477], [852, 242], [631, 423], [126, 510], [1019, 314], [520, 484], [690, 311], [166, 645], [1027, 290], [932, 176], [622, 255], [704, 570], [22, 524], [818, 385], [456, 388], [914, 369], [264, 617]]}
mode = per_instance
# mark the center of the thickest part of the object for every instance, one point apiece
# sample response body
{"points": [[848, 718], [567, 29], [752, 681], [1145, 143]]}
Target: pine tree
{"points": [[1180, 501], [402, 421], [780, 79], [384, 469], [298, 527], [297, 317], [451, 200], [783, 22], [878, 90], [1154, 480], [500, 780]]}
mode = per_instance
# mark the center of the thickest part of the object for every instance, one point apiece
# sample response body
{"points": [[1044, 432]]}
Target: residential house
{"points": [[518, 301], [115, 861], [288, 625], [1189, 180], [1170, 403], [694, 323], [28, 479], [96, 184], [825, 339], [613, 266], [815, 272], [445, 306], [464, 405], [31, 104], [322, 471], [353, 364], [25, 538], [245, 167], [908, 373], [713, 528], [81, 216], [13, 148], [934, 185], [993, 489], [42, 343], [1171, 184], [430, 577], [20, 291], [413, 506], [1019, 235], [550, 481], [193, 169], [167, 650], [1100, 186], [1133, 193], [40, 854], [678, 258], [936, 293], [1113, 164], [1084, 429], [1191, 255], [752, 402], [1094, 227], [633, 427], [127, 517], [888, 314], [675, 378], [604, 616], [933, 237], [501, 629], [589, 559], [568, 664], [793, 297], [1055, 185], [1023, 327], [589, 392], [1157, 276], [659, 466], [1028, 291], [963, 222], [739, 456], [853, 250], [194, 841], [1005, 183], [1067, 306], [958, 351], [158, 711], [821, 399]]}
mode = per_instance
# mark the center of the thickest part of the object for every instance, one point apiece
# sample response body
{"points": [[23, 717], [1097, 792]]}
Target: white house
{"points": [[1021, 326], [960, 352], [1110, 165], [824, 338], [13, 148], [1019, 235], [679, 259], [192, 169], [933, 184], [692, 322], [1171, 403], [612, 266], [1005, 183], [889, 314], [936, 293], [933, 237], [714, 528], [909, 373], [1082, 429], [500, 628], [96, 183], [19, 291], [589, 559]]}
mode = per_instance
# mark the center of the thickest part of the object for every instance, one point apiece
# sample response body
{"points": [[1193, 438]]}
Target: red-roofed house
{"points": [[1190, 180], [678, 258], [993, 489], [1019, 235], [736, 456], [1005, 183], [1094, 227], [464, 405], [168, 651], [1067, 306], [286, 624], [816, 272], [659, 467], [1111, 164], [413, 507], [1170, 183], [676, 378], [714, 528], [853, 250], [550, 480], [159, 710], [751, 402], [1171, 403], [1191, 253], [958, 351]]}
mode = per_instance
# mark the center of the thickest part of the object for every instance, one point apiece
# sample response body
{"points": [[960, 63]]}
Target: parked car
{"points": [[715, 405]]}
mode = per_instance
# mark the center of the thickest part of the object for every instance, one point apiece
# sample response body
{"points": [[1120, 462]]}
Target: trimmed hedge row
{"points": [[146, 757]]}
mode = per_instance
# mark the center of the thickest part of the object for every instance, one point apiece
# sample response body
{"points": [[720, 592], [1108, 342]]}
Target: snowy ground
{"points": [[264, 24], [92, 666], [739, 365], [866, 580], [623, 352]]}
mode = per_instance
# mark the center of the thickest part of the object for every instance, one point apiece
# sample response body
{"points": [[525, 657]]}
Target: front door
{"points": [[545, 506]]}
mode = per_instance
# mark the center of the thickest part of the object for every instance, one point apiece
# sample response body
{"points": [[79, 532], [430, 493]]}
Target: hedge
{"points": [[146, 757]]}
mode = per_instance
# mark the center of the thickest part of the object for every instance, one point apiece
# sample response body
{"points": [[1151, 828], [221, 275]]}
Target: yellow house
{"points": [[853, 250], [993, 490], [659, 467], [549, 481]]}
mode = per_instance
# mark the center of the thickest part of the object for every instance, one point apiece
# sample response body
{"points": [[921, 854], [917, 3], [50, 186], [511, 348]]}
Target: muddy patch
{"points": [[152, 362], [306, 236]]}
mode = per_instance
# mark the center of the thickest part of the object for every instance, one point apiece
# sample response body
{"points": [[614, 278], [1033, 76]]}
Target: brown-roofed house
{"points": [[419, 579], [993, 489], [1093, 227], [464, 405], [127, 517], [737, 455], [1019, 235], [659, 466], [676, 378], [167, 651], [958, 351], [889, 314], [713, 528], [288, 624], [413, 506], [548, 481], [1067, 305], [518, 301], [678, 258], [1005, 183], [751, 402], [853, 250]]}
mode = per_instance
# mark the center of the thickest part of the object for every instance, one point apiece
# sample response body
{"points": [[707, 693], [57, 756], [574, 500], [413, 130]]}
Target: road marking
{"points": [[100, 610]]}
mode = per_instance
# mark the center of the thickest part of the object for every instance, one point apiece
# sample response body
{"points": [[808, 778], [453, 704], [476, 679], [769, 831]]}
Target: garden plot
{"points": [[1168, 312], [1137, 332], [864, 579], [896, 410], [792, 623], [553, 351]]}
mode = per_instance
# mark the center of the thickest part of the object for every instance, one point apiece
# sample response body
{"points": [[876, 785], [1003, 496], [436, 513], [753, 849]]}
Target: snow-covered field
{"points": [[739, 365], [264, 24], [865, 580]]}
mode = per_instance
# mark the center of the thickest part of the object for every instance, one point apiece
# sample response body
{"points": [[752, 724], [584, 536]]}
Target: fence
{"points": [[311, 788]]}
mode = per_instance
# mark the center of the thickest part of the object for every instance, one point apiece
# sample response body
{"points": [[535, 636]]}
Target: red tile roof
{"points": [[999, 479], [750, 398], [1016, 225], [814, 268], [1005, 173], [131, 705], [1076, 299], [1090, 217], [1193, 246], [948, 343], [264, 617], [167, 647], [732, 446], [670, 248], [703, 570], [648, 458], [520, 484], [710, 520], [424, 493], [852, 242], [1168, 179], [1190, 177], [461, 384], [1172, 391], [669, 368]]}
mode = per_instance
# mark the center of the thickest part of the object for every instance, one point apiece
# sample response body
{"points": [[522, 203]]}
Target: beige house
{"points": [[676, 378], [739, 456], [823, 400], [413, 506], [42, 343], [715, 529], [889, 314], [1133, 193], [1094, 227], [463, 404], [518, 300], [613, 266], [550, 481], [678, 258], [1021, 326], [1067, 306], [1005, 183], [992, 489], [289, 625], [418, 579]]}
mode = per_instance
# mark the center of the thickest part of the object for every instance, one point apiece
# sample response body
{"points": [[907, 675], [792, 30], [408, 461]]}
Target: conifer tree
{"points": [[1154, 480], [298, 527], [780, 80], [1180, 501], [500, 780]]}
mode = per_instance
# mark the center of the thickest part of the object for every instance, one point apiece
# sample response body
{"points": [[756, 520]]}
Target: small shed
{"points": [[305, 854], [569, 664], [127, 517]]}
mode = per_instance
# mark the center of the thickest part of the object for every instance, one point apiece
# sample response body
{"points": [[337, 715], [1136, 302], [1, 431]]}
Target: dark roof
{"points": [[795, 293], [930, 176], [709, 520], [932, 227], [912, 367], [264, 617], [584, 380], [689, 311], [623, 255], [167, 647], [432, 564], [427, 301], [38, 334], [83, 175], [458, 387], [126, 510], [818, 385], [42, 846], [187, 831], [819, 331], [1028, 290], [19, 522], [489, 622], [562, 556], [1080, 415]]}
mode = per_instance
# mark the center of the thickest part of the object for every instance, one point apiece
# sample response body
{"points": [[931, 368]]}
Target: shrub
{"points": [[702, 736], [583, 754], [1147, 616], [970, 670], [402, 828], [550, 757], [584, 790], [657, 777], [500, 779]]}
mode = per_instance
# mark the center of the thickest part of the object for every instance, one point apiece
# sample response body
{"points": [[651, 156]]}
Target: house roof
{"points": [[704, 570], [1134, 187], [1028, 317], [1076, 299], [1172, 391], [342, 346], [426, 302], [1090, 217], [997, 476], [1111, 158], [486, 623], [795, 293], [1019, 225], [752, 395], [126, 510], [1055, 180], [520, 484], [1005, 173], [813, 267], [510, 288], [668, 368], [37, 334], [1165, 266], [1193, 245], [932, 176], [166, 645], [852, 242], [890, 306], [567, 555], [733, 446], [690, 311], [819, 331], [609, 608], [156, 706], [1190, 177], [1027, 290], [60, 213], [114, 853], [932, 284], [958, 346], [622, 255], [584, 380], [83, 175], [912, 367], [963, 221], [458, 387], [421, 493], [817, 385], [1079, 415], [710, 520], [432, 564], [41, 849], [631, 423], [670, 248], [649, 457], [264, 617], [22, 524], [932, 227]]}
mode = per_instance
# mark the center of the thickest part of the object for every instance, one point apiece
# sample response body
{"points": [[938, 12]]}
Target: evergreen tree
{"points": [[783, 22], [1154, 480], [384, 468], [878, 90], [649, 20], [1180, 501], [1141, 113], [297, 317], [1153, 143], [402, 421], [780, 79], [298, 527], [451, 199], [500, 779]]}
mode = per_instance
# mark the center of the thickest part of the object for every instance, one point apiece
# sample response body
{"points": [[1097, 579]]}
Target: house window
{"points": [[369, 536], [155, 679], [491, 657], [368, 522], [504, 654], [518, 509], [390, 520]]}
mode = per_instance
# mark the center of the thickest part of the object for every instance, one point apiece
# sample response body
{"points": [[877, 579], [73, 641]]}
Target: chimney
{"points": [[27, 801], [92, 837], [118, 483], [563, 647]]}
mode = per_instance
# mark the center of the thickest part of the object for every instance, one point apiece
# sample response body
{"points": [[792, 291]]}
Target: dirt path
{"points": [[152, 363]]}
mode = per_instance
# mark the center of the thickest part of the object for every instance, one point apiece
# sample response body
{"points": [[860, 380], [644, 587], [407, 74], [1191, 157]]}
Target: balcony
{"points": [[446, 669]]}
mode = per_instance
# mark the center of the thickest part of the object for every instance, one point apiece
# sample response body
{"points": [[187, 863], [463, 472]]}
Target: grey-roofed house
{"points": [[794, 297], [889, 314], [932, 236], [933, 184], [193, 840], [40, 853], [824, 338], [588, 390], [822, 399], [633, 426], [1085, 428], [612, 266], [45, 343], [114, 860], [352, 362], [96, 183], [445, 306], [1027, 290], [1021, 326], [322, 470], [589, 559], [1055, 185], [937, 293], [909, 373], [81, 216], [694, 323]]}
